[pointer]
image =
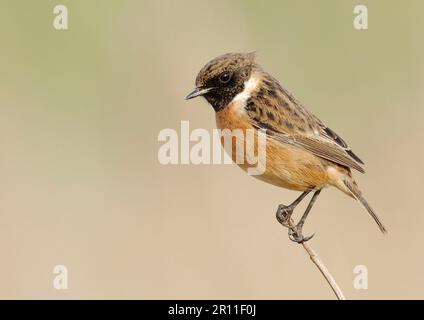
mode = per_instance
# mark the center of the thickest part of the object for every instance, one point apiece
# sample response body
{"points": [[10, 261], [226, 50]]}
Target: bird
{"points": [[302, 153]]}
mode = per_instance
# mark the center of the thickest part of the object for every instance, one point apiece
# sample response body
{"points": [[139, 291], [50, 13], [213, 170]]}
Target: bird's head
{"points": [[222, 78]]}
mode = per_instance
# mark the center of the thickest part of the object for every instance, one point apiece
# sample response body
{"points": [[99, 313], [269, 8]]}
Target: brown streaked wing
{"points": [[327, 146], [327, 150], [327, 132]]}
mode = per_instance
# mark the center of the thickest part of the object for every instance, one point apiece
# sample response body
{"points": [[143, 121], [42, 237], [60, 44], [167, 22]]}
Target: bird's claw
{"points": [[284, 214], [297, 236]]}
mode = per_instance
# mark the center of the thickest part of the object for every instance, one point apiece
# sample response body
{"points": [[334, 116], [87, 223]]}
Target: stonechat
{"points": [[302, 153]]}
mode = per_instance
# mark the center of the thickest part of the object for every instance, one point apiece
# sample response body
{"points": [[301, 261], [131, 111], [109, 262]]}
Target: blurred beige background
{"points": [[81, 186]]}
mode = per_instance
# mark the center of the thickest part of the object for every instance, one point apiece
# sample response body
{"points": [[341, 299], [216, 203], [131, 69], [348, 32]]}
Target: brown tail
{"points": [[357, 194]]}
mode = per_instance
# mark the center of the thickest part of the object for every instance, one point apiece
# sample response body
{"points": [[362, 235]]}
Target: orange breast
{"points": [[286, 166], [233, 117]]}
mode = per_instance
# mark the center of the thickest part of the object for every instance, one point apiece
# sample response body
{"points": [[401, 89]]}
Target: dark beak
{"points": [[197, 92]]}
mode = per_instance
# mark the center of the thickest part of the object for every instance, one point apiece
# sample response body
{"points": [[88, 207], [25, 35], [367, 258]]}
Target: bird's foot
{"points": [[297, 236], [284, 214]]}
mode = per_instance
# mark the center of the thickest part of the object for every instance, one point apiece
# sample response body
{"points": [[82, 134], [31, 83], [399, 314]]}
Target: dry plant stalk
{"points": [[321, 266]]}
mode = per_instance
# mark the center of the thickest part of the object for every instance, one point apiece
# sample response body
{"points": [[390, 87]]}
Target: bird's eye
{"points": [[225, 77]]}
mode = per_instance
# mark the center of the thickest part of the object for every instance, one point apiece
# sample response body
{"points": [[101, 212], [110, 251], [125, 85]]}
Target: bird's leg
{"points": [[284, 212], [296, 234]]}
